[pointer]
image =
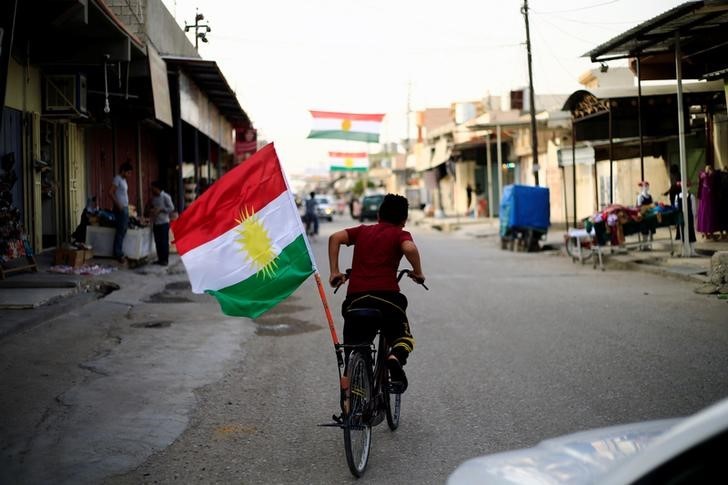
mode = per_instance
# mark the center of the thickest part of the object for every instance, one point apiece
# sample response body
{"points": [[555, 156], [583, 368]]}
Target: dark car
{"points": [[370, 207]]}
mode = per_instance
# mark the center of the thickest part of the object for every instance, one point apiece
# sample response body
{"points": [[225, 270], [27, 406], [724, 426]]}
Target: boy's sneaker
{"points": [[397, 376]]}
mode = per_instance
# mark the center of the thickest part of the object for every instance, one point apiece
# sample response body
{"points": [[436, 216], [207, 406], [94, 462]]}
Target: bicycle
{"points": [[367, 394]]}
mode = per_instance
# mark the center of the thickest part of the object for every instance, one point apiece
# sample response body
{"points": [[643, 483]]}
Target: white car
{"points": [[325, 207], [690, 450]]}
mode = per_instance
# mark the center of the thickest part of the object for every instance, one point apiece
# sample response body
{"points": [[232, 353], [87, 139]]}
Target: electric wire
{"points": [[586, 7]]}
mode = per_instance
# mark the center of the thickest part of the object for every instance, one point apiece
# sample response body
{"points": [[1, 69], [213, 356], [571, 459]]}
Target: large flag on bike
{"points": [[242, 240], [346, 126]]}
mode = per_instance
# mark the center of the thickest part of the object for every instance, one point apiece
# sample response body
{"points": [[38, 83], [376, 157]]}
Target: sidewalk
{"points": [[32, 298], [658, 260]]}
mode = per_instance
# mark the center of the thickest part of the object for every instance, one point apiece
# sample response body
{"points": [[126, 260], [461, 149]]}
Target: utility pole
{"points": [[197, 26], [534, 133]]}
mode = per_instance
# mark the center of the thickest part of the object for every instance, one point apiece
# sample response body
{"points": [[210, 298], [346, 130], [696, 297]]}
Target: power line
{"points": [[587, 7], [586, 22], [553, 55], [563, 31]]}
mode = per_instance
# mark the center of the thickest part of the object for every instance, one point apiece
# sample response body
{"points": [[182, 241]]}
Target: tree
{"points": [[358, 189]]}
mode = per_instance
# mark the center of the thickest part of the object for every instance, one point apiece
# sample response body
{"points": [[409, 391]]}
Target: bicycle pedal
{"points": [[331, 425]]}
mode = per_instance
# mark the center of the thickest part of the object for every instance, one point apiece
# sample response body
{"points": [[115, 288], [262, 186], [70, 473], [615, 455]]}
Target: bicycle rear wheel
{"points": [[357, 430], [393, 403]]}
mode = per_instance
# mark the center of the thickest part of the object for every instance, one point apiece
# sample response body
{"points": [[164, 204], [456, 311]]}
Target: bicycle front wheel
{"points": [[357, 428]]}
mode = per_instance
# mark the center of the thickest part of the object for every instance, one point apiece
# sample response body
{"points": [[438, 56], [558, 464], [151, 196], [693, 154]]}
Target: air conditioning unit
{"points": [[65, 94]]}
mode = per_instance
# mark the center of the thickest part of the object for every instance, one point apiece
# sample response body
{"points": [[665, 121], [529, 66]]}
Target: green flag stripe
{"points": [[256, 295], [345, 135], [337, 168]]}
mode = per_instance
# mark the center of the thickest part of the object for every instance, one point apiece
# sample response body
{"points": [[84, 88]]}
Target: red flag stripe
{"points": [[250, 186], [347, 116], [348, 154]]}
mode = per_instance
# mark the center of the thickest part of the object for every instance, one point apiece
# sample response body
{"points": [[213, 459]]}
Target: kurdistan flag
{"points": [[242, 240], [349, 161], [346, 126]]}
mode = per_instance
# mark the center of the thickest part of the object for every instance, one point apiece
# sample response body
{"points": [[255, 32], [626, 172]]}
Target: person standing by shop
{"points": [[119, 192], [161, 208]]}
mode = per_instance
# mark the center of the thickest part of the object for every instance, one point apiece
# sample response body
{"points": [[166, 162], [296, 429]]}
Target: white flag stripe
{"points": [[356, 125], [350, 162], [222, 262]]}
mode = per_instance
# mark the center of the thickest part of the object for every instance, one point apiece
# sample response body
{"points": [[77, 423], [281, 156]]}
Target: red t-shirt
{"points": [[377, 252]]}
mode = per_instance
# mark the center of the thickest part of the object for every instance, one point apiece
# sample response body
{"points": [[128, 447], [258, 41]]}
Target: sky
{"points": [[285, 57]]}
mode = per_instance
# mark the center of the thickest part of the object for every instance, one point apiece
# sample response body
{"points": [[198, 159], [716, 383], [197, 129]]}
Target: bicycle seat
{"points": [[363, 313]]}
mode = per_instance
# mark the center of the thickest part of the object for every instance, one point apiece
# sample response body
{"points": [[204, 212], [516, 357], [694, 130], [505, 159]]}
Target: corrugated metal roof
{"points": [[209, 78], [703, 29]]}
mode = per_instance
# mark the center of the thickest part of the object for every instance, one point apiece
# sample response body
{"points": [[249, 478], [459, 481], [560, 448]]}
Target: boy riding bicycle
{"points": [[378, 249]]}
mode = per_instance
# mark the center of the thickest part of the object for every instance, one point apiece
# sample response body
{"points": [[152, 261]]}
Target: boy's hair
{"points": [[158, 185], [125, 167], [394, 209]]}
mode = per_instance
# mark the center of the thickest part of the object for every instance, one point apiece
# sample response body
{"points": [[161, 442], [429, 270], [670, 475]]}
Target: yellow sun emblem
{"points": [[348, 162], [256, 243], [346, 124]]}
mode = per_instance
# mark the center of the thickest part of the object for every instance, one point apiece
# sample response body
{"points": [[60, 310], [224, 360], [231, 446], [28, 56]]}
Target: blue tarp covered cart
{"points": [[524, 216]]}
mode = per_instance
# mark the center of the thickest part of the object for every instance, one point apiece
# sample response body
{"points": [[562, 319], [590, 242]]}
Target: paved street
{"points": [[152, 384]]}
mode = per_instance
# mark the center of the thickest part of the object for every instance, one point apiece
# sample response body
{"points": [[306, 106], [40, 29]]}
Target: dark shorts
{"points": [[393, 324]]}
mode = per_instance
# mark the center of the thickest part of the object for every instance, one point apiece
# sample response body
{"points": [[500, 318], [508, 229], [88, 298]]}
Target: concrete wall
{"points": [[131, 14], [464, 175], [626, 175], [165, 33], [152, 22]]}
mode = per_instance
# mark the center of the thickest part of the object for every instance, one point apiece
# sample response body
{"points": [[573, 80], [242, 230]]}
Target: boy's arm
{"points": [[335, 241], [413, 256]]}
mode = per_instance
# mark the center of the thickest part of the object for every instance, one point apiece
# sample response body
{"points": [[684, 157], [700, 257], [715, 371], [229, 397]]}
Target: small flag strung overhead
{"points": [[349, 161], [346, 126]]}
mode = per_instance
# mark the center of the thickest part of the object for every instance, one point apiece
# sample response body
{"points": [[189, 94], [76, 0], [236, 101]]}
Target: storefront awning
{"points": [[591, 109], [208, 77]]}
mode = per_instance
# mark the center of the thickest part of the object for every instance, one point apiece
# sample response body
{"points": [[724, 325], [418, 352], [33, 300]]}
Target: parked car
{"points": [[676, 451], [370, 207], [325, 207]]}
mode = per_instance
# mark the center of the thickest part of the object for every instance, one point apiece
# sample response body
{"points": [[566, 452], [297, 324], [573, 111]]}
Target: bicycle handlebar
{"points": [[401, 273]]}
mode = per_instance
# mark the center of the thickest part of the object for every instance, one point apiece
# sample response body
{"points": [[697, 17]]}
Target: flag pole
{"points": [[327, 309], [330, 319]]}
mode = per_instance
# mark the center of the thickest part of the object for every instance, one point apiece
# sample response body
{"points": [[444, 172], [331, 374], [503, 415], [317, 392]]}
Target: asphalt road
{"points": [[152, 384], [511, 348]]}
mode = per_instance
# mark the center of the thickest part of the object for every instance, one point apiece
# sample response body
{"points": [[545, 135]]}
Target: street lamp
{"points": [[200, 29]]}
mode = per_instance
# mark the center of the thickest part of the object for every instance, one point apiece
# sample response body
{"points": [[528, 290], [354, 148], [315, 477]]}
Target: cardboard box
{"points": [[73, 257]]}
